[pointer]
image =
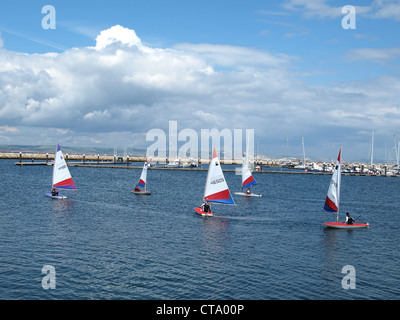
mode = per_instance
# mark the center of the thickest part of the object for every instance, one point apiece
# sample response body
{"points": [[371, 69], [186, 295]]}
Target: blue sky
{"points": [[284, 68]]}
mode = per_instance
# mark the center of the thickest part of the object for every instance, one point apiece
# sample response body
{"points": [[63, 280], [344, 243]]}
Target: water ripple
{"points": [[106, 243]]}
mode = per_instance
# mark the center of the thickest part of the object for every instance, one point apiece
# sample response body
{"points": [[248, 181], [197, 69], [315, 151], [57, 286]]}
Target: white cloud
{"points": [[376, 9], [117, 34], [385, 9], [313, 8], [373, 54], [115, 92], [231, 56], [7, 129]]}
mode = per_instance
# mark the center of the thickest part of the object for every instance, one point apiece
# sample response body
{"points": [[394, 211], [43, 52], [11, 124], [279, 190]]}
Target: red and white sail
{"points": [[143, 176], [247, 178], [332, 198], [216, 189], [61, 175]]}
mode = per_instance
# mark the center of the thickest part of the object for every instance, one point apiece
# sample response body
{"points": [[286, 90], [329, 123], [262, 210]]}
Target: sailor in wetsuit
{"points": [[205, 207], [349, 220], [54, 192]]}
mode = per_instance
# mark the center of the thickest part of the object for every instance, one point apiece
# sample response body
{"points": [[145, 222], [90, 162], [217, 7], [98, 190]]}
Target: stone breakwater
{"points": [[73, 157], [119, 161], [114, 158]]}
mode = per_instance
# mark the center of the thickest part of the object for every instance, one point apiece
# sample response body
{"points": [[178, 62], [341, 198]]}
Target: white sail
{"points": [[61, 175], [247, 178], [143, 176], [216, 189]]}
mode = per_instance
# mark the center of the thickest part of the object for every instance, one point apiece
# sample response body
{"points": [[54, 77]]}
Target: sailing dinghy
{"points": [[333, 197], [247, 181], [61, 176], [142, 182], [216, 189]]}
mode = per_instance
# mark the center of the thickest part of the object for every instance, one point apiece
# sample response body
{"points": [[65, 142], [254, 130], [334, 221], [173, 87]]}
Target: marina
{"points": [[261, 166]]}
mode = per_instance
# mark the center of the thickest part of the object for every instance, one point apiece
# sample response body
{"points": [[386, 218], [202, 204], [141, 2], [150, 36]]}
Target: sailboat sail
{"points": [[142, 182], [247, 178], [216, 189], [143, 176], [332, 201], [61, 175], [332, 198]]}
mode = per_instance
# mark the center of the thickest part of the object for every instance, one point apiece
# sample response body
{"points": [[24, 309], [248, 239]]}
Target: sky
{"points": [[108, 72]]}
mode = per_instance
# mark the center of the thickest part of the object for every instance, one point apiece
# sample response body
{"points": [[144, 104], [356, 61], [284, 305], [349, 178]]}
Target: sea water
{"points": [[104, 242]]}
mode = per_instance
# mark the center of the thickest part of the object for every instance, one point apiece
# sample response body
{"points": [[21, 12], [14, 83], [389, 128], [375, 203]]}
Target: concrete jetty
{"points": [[124, 162], [46, 158], [68, 157]]}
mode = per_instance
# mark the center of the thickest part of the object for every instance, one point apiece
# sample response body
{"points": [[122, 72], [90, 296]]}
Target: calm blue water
{"points": [[106, 243]]}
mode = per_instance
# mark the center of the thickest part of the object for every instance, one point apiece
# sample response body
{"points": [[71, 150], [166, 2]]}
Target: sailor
{"points": [[54, 192], [137, 188], [248, 191], [349, 220], [205, 207]]}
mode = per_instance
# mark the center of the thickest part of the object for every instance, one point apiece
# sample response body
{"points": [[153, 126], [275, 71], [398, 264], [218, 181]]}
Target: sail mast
{"points": [[339, 174], [372, 149], [54, 167]]}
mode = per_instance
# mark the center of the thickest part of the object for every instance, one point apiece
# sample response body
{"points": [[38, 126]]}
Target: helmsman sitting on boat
{"points": [[206, 207], [248, 191], [349, 220], [137, 188], [54, 192]]}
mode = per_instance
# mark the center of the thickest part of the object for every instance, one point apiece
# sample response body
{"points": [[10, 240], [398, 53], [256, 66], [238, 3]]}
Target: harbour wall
{"points": [[124, 162], [115, 158]]}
